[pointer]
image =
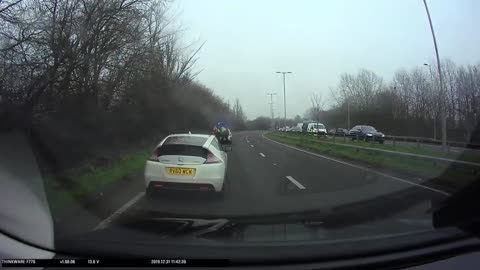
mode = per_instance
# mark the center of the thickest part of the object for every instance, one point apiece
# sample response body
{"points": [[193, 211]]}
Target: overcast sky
{"points": [[248, 40]]}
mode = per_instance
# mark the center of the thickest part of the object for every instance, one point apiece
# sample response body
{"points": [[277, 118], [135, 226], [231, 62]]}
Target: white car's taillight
{"points": [[211, 158], [154, 156]]}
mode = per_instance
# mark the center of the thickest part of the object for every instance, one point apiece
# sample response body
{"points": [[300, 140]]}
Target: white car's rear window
{"points": [[186, 140], [182, 150]]}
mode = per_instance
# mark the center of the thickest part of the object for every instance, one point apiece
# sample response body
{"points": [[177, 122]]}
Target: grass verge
{"points": [[411, 148], [450, 175], [77, 185]]}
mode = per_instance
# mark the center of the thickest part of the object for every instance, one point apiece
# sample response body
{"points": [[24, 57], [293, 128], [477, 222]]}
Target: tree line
{"points": [[411, 103], [80, 75]]}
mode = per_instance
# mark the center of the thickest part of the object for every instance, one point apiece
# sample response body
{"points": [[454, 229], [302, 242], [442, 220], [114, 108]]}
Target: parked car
{"points": [[366, 133], [338, 131], [317, 128], [296, 129]]}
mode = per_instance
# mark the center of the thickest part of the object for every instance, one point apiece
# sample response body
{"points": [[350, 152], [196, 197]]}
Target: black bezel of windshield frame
{"points": [[461, 209], [400, 251]]}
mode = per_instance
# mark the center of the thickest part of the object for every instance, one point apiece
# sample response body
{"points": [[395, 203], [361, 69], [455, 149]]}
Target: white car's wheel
{"points": [[149, 192], [220, 194]]}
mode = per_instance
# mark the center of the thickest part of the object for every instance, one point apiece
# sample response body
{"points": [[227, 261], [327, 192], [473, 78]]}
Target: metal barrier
{"points": [[400, 153], [422, 140]]}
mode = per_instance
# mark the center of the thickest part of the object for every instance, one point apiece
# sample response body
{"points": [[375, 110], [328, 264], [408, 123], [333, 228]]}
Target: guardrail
{"points": [[423, 140], [400, 153], [432, 141]]}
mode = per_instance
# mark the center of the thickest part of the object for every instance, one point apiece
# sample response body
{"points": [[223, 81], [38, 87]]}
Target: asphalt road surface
{"points": [[265, 177]]}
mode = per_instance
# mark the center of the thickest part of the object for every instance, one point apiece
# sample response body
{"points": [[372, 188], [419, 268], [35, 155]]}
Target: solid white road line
{"points": [[262, 154], [121, 210], [361, 168], [300, 186]]}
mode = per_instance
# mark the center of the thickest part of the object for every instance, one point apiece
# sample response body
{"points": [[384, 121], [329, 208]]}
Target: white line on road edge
{"points": [[360, 167], [262, 154], [300, 186], [121, 210]]}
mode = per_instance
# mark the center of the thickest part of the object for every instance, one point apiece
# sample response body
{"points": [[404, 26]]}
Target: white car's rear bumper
{"points": [[206, 175]]}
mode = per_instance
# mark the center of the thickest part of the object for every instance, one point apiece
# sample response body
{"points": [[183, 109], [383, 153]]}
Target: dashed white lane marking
{"points": [[360, 167], [251, 145], [262, 154], [300, 186], [121, 210]]}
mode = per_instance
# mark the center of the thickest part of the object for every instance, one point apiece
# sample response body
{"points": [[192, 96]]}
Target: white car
{"points": [[316, 128], [187, 162]]}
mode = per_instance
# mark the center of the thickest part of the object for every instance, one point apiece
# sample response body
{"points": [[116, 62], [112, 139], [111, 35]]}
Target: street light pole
{"points": [[348, 113], [442, 109], [434, 116], [284, 96], [271, 107]]}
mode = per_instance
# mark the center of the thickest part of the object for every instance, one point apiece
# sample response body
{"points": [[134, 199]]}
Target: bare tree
{"points": [[92, 68], [317, 107], [412, 102]]}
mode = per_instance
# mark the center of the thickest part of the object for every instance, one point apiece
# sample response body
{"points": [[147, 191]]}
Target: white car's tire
{"points": [[220, 194], [149, 192]]}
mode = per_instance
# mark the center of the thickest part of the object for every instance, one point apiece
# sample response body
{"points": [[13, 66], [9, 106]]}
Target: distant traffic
{"points": [[359, 132]]}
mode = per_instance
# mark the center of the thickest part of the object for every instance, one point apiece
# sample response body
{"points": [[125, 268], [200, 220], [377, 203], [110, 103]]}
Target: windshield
{"points": [[266, 110]]}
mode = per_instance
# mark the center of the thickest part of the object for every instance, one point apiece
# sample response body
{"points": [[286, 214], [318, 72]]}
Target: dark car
{"points": [[366, 133], [338, 131]]}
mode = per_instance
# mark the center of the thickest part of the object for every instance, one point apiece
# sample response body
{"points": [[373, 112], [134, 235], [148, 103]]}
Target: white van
{"points": [[316, 128]]}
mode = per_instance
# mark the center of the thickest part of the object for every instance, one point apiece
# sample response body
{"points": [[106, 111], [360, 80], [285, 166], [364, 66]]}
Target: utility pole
{"points": [[348, 113], [443, 115], [434, 98], [271, 108], [284, 96], [348, 107]]}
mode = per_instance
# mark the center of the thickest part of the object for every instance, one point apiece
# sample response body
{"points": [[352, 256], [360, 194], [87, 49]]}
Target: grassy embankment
{"points": [[447, 174], [81, 183]]}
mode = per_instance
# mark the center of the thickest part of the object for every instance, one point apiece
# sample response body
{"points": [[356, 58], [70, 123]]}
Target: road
{"points": [[265, 177]]}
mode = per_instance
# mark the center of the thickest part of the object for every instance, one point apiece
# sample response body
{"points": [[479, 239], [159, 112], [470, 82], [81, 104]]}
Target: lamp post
{"points": [[284, 96], [271, 107], [434, 116], [440, 77]]}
